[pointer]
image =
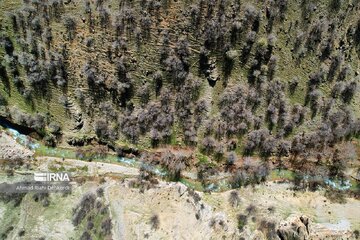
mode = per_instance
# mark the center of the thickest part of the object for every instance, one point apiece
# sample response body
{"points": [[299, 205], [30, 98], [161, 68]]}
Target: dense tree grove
{"points": [[224, 78]]}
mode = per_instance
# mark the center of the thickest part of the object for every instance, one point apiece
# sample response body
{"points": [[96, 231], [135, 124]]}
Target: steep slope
{"points": [[224, 78]]}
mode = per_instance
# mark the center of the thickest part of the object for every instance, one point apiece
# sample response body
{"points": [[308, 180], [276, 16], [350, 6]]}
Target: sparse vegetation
{"points": [[234, 199], [248, 86], [133, 103], [155, 221], [92, 215]]}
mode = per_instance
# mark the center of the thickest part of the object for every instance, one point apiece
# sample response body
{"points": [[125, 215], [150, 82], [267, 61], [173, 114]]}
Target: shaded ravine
{"points": [[19, 128]]}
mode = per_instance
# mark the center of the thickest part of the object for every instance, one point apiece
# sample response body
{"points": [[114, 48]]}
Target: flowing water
{"points": [[214, 186]]}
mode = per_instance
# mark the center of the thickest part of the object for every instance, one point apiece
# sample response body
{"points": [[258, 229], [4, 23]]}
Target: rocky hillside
{"points": [[222, 80], [107, 201]]}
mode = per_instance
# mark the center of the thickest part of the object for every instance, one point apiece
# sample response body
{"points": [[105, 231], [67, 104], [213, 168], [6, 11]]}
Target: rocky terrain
{"points": [[11, 151], [171, 210], [184, 119]]}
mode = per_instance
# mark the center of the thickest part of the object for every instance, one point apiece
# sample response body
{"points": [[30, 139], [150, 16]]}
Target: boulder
{"points": [[294, 228]]}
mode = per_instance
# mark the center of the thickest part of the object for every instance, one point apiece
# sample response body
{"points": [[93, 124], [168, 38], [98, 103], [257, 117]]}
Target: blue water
{"points": [[29, 143], [128, 161], [23, 139], [135, 163], [211, 187], [340, 185]]}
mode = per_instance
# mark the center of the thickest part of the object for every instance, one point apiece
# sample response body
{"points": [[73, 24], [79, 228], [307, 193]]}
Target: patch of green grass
{"points": [[55, 152], [354, 185], [53, 168], [192, 184], [8, 6], [10, 217], [281, 174], [203, 159]]}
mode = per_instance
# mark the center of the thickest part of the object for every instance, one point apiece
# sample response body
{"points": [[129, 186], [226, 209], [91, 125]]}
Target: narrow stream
{"points": [[217, 185]]}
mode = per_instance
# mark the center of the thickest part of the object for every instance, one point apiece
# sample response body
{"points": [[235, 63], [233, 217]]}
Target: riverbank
{"points": [[217, 183], [198, 213]]}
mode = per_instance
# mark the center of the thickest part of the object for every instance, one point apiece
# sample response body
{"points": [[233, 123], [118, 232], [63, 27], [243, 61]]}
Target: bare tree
{"points": [[155, 221], [234, 199], [70, 26]]}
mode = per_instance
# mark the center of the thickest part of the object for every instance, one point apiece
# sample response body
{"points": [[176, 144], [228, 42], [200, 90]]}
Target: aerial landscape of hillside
{"points": [[180, 119]]}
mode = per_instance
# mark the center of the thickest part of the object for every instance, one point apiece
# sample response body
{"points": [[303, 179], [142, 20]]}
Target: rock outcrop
{"points": [[301, 228], [11, 150], [294, 228]]}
